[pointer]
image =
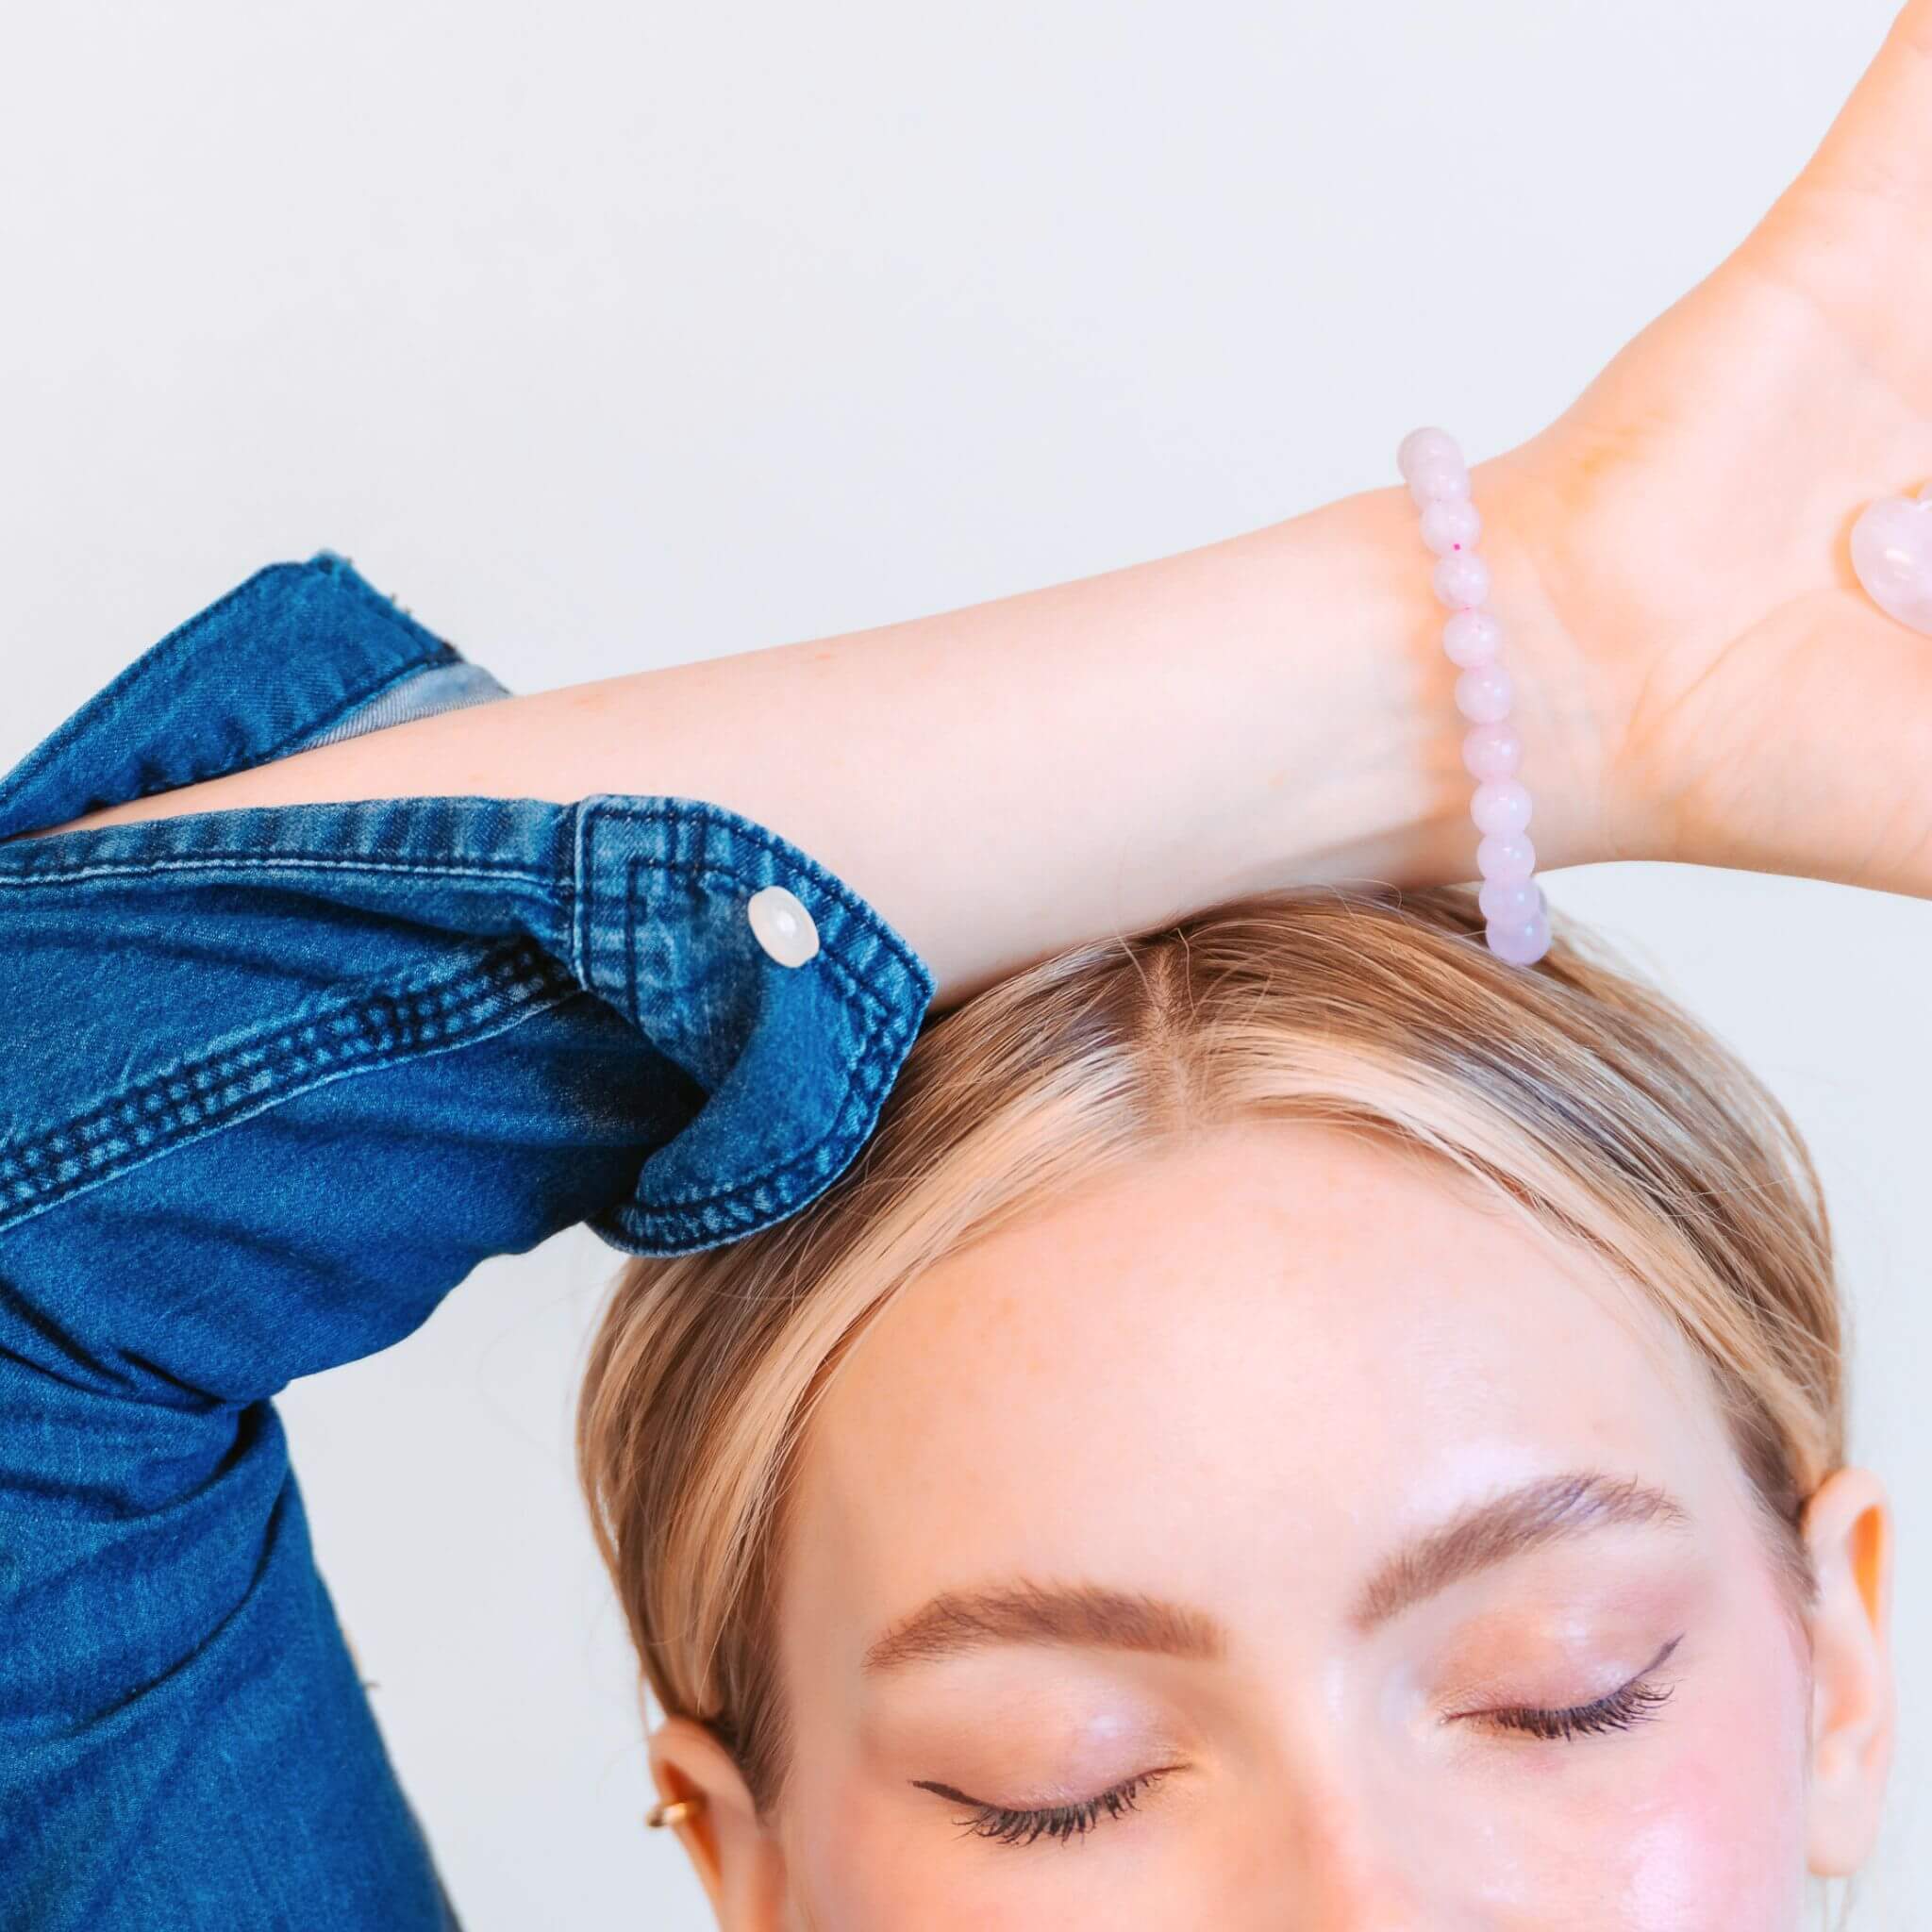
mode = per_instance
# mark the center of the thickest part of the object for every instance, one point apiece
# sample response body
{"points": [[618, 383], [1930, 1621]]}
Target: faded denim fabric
{"points": [[276, 1080]]}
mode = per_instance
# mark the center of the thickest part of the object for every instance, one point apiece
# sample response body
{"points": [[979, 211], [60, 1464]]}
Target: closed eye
{"points": [[1011, 1824], [1631, 1703]]}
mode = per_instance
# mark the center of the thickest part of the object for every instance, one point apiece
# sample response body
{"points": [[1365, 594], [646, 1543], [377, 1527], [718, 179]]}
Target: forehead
{"points": [[1245, 1363]]}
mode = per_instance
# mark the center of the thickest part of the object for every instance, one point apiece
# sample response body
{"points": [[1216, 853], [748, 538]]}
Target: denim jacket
{"points": [[276, 1080]]}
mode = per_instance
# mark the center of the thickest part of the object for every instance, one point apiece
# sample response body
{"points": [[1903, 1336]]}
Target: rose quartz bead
{"points": [[1472, 637], [1506, 855], [1491, 750], [1510, 901], [1461, 580], [1433, 477], [1417, 442], [1500, 804], [1451, 524], [1520, 945], [1483, 694], [1432, 465], [1516, 915]]}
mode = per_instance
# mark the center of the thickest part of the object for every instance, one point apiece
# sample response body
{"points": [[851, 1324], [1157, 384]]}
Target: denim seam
{"points": [[846, 975], [580, 901], [630, 937], [353, 702], [142, 669], [544, 882], [697, 1215], [177, 641], [304, 862], [883, 1027], [252, 759], [678, 1207], [736, 830], [383, 607], [706, 875], [386, 1028], [873, 1007]]}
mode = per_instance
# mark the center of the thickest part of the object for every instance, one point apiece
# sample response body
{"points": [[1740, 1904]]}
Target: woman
{"points": [[1287, 1422], [330, 981]]}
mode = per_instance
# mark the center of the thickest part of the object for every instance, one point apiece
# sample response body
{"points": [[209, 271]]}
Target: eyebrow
{"points": [[1548, 1510]]}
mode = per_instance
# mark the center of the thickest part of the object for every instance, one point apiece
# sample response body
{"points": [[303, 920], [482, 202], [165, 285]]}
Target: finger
{"points": [[1881, 141]]}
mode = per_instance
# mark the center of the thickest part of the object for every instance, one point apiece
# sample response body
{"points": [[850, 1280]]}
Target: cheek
{"points": [[1691, 1866], [1719, 1844], [849, 1867]]}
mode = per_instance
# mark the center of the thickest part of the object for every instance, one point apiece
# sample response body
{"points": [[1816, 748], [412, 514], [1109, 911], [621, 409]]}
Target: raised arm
{"points": [[1699, 676], [1011, 777]]}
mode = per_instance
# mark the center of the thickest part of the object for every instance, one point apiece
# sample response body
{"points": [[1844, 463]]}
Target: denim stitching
{"points": [[580, 909], [214, 862], [384, 607], [848, 979], [727, 1210], [871, 1003], [353, 702], [739, 831], [177, 641], [846, 975], [707, 872], [630, 937], [249, 761], [678, 1211], [682, 1203], [202, 1094], [562, 887], [543, 882]]}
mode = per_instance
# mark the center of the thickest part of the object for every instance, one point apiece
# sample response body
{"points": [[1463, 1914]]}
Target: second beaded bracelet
{"points": [[1516, 915]]}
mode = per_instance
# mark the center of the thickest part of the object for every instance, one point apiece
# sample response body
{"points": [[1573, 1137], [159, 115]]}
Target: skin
{"points": [[1235, 1374]]}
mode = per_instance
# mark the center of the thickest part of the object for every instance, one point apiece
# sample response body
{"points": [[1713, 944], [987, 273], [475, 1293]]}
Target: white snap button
{"points": [[782, 924]]}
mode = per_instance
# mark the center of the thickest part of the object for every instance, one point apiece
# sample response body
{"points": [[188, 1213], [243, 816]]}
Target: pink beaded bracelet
{"points": [[1516, 915]]}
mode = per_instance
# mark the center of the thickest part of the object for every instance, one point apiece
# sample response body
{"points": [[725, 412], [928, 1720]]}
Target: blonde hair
{"points": [[1582, 1098]]}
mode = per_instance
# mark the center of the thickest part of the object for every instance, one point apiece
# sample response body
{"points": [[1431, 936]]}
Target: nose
{"points": [[1354, 1859]]}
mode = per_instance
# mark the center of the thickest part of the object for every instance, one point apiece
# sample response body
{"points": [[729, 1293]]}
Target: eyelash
{"points": [[1633, 1703], [1007, 1827], [1637, 1701]]}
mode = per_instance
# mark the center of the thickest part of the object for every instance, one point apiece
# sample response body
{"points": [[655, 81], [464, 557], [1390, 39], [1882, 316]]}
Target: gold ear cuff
{"points": [[673, 1811]]}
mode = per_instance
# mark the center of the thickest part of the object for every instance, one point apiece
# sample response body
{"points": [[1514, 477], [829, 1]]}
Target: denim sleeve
{"points": [[276, 1080]]}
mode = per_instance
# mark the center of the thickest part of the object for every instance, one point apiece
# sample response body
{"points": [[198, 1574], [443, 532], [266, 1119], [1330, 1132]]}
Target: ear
{"points": [[1849, 1530], [739, 1862]]}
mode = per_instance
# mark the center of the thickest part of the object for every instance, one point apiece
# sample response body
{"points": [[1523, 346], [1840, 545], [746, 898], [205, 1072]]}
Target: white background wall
{"points": [[606, 336]]}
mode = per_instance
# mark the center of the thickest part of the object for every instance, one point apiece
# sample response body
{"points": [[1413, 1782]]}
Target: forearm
{"points": [[1009, 778]]}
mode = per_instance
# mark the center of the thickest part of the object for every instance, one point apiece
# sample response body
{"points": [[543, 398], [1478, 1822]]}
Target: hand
{"points": [[1734, 693]]}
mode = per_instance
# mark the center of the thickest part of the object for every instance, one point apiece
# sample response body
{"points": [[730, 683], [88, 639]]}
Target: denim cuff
{"points": [[796, 1060], [640, 899]]}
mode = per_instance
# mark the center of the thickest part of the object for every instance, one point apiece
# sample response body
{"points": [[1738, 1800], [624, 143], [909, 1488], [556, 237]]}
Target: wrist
{"points": [[1564, 706], [1379, 791], [1576, 687]]}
